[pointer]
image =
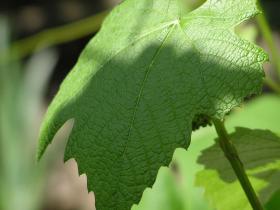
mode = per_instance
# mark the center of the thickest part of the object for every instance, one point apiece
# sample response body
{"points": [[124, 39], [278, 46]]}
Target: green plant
{"points": [[153, 74], [21, 101]]}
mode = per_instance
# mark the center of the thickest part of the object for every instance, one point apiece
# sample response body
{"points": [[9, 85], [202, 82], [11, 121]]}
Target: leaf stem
{"points": [[233, 157], [58, 35], [272, 85], [268, 37]]}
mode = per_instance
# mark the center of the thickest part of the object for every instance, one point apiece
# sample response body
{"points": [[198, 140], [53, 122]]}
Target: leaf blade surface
{"points": [[140, 82]]}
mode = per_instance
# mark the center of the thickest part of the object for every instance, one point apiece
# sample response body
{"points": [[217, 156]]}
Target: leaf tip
{"points": [[54, 120]]}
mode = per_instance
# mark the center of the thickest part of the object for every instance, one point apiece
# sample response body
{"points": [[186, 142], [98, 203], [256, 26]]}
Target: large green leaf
{"points": [[259, 151], [139, 84]]}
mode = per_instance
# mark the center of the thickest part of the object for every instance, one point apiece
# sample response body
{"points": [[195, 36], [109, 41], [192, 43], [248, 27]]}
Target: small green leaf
{"points": [[257, 113], [259, 151], [151, 70], [274, 202]]}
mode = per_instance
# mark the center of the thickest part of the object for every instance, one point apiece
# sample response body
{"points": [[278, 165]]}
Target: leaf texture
{"points": [[140, 82]]}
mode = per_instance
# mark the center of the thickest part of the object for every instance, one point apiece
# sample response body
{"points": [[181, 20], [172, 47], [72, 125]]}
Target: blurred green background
{"points": [[40, 42]]}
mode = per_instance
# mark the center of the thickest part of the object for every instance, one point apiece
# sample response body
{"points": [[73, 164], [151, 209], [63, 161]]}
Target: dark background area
{"points": [[28, 17]]}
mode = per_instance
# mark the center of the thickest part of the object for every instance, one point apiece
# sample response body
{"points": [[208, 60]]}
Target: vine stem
{"points": [[268, 37], [58, 35], [233, 157], [272, 85]]}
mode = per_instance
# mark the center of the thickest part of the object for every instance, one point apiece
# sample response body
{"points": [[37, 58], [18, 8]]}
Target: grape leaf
{"points": [[139, 84], [259, 151]]}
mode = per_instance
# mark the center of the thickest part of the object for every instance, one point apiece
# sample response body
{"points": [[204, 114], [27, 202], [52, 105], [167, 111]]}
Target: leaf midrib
{"points": [[87, 80], [139, 96], [144, 82]]}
